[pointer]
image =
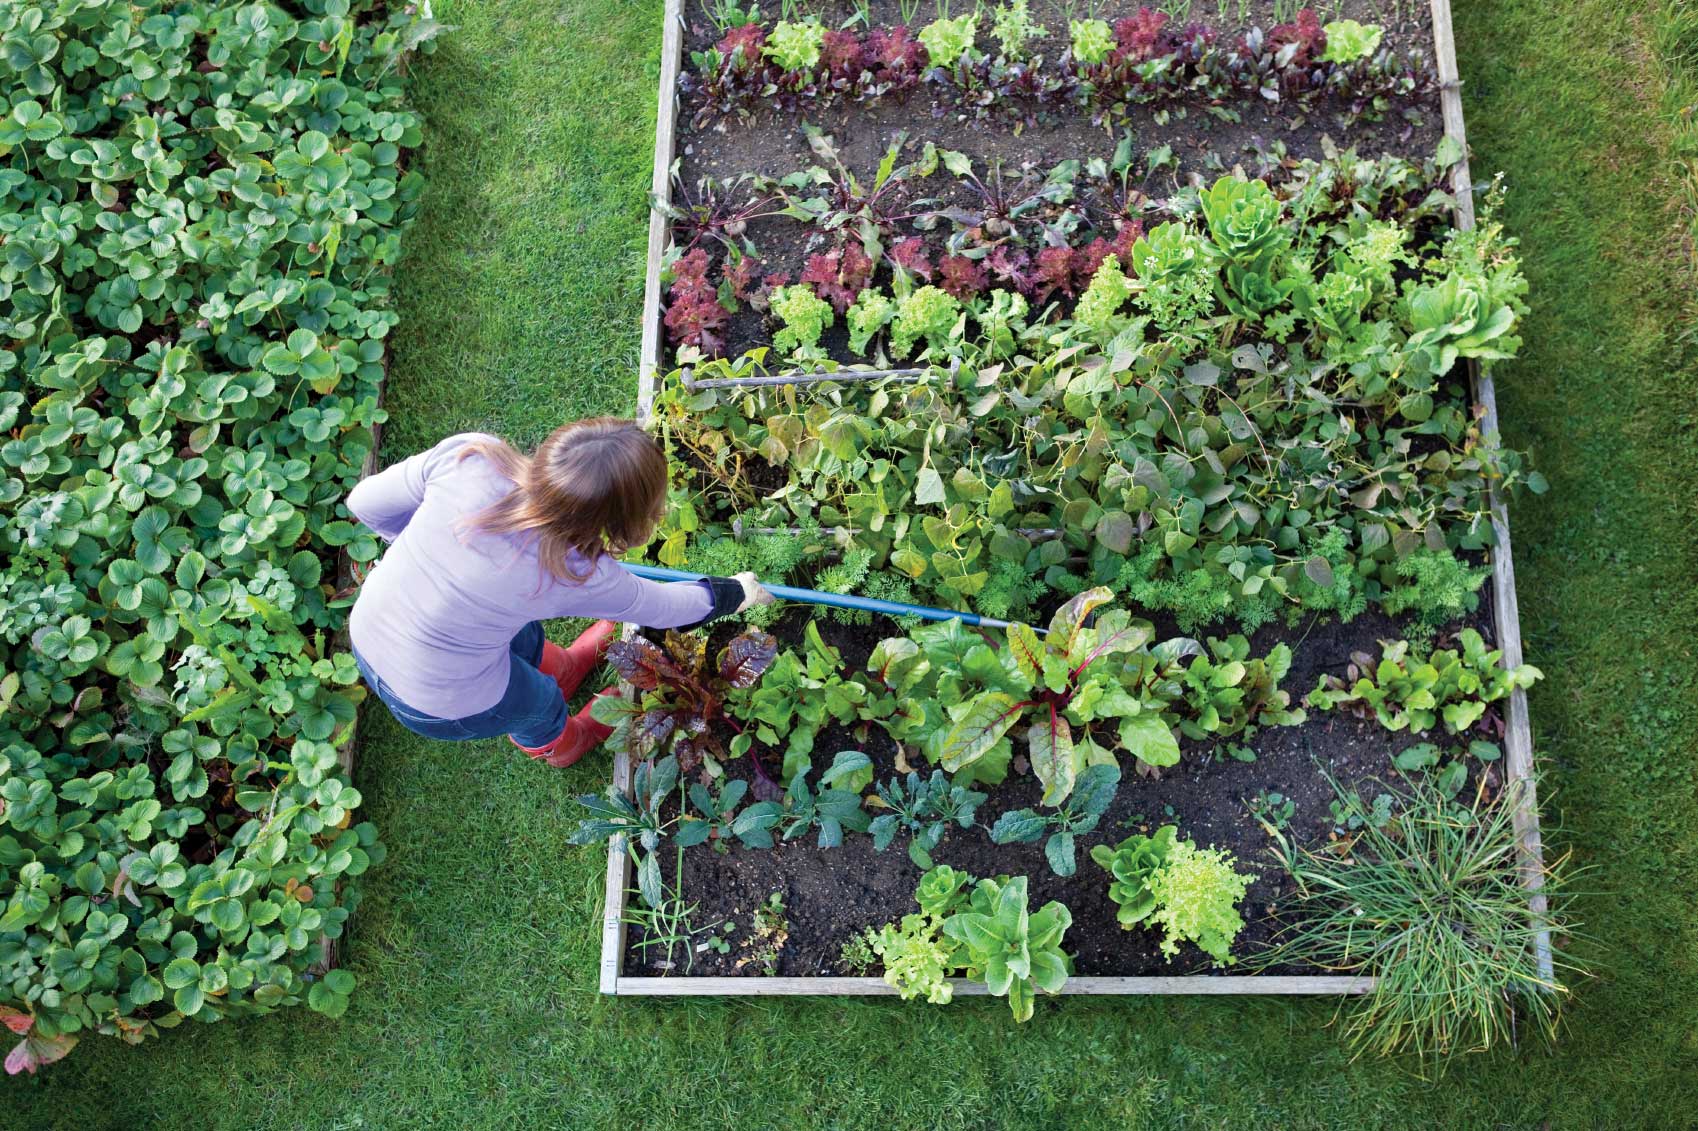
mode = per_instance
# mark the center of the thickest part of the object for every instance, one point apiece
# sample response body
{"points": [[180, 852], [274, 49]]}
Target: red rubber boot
{"points": [[581, 735], [570, 666]]}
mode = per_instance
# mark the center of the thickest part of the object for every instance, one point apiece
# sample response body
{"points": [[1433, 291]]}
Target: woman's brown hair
{"points": [[594, 486]]}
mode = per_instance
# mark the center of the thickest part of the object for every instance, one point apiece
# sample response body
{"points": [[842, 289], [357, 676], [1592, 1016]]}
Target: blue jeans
{"points": [[532, 710]]}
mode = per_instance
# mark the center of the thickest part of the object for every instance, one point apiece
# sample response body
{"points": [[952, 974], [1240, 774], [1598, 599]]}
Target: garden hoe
{"points": [[834, 600]]}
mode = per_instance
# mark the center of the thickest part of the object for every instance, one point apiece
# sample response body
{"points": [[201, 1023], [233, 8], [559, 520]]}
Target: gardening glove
{"points": [[753, 592]]}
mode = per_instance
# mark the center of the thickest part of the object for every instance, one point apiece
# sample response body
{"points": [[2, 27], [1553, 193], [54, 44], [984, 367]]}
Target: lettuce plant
{"points": [[1457, 317], [1097, 314], [1015, 952], [1132, 865], [804, 317], [872, 311], [948, 41], [1191, 893], [795, 44], [916, 958], [1348, 41], [927, 313], [982, 930], [1092, 41], [1196, 893]]}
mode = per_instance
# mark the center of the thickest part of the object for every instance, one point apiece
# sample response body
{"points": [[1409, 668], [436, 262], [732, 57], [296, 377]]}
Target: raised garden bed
{"points": [[1235, 788]]}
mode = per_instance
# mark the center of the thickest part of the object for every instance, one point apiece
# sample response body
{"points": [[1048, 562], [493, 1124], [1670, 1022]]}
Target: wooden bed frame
{"points": [[1518, 738]]}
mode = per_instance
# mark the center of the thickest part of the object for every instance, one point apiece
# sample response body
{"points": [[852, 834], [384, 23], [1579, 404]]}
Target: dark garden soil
{"points": [[830, 896], [1261, 143]]}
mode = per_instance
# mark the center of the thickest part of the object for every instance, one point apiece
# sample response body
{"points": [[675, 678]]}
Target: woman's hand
{"points": [[753, 592]]}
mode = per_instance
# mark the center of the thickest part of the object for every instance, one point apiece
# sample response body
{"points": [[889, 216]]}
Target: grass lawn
{"points": [[476, 946]]}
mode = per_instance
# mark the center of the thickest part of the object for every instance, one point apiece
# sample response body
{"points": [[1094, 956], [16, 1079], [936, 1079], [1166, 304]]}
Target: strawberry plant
{"points": [[200, 205]]}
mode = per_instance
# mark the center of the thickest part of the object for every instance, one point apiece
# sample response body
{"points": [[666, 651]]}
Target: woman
{"points": [[487, 543]]}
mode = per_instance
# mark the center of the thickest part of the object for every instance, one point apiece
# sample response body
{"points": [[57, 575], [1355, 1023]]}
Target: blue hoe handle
{"points": [[835, 600]]}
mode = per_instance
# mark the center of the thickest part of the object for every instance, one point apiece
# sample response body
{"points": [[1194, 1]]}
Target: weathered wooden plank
{"points": [[1518, 729], [660, 228], [660, 232], [877, 987]]}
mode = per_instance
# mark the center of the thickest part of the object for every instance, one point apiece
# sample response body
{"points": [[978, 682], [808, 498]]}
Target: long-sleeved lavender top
{"points": [[435, 617]]}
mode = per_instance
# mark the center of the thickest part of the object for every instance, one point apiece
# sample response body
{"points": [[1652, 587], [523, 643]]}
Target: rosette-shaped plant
{"points": [[1458, 317], [1197, 893], [795, 45], [1132, 864], [948, 41], [1092, 41], [1244, 220], [1012, 950]]}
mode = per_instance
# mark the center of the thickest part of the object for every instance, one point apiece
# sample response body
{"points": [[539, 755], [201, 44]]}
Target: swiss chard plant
{"points": [[680, 693]]}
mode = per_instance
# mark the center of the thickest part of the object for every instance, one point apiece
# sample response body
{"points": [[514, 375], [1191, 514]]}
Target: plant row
{"points": [[968, 230], [1089, 697], [1266, 418], [1011, 65], [199, 205], [1091, 694]]}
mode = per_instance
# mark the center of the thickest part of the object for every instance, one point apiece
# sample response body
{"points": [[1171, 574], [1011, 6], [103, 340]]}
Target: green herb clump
{"points": [[202, 207], [1437, 587], [1009, 591], [1013, 27], [770, 557], [1431, 902]]}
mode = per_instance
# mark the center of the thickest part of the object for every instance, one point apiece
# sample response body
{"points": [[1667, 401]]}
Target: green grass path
{"points": [[476, 945]]}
